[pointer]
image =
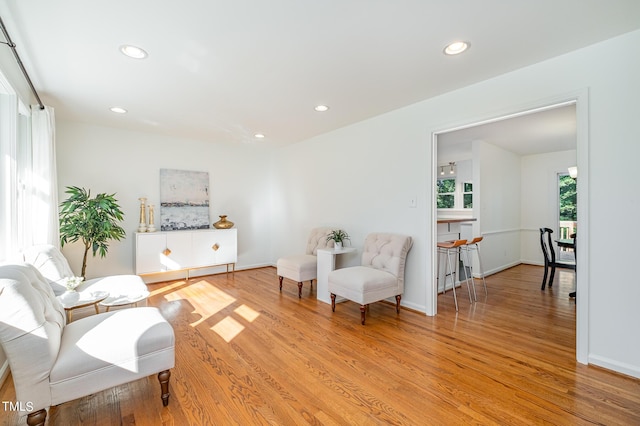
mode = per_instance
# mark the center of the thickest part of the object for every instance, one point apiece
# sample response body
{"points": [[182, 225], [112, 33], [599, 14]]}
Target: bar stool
{"points": [[449, 248], [472, 245]]}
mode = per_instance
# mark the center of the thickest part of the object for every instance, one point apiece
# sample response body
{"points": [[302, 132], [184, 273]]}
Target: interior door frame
{"points": [[581, 100]]}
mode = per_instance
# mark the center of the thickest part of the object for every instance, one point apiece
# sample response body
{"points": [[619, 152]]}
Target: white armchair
{"points": [[380, 275], [53, 362], [304, 267], [52, 264]]}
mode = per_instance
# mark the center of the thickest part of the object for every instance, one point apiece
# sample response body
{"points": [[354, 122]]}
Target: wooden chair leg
{"points": [[544, 278], [333, 302], [37, 418], [553, 273], [280, 282], [398, 297], [363, 309], [300, 290], [163, 378]]}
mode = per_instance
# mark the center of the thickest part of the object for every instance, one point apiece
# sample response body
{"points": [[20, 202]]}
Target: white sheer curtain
{"points": [[28, 184], [40, 202], [8, 174]]}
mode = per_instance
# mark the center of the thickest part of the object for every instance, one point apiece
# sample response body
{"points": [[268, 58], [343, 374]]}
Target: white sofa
{"points": [[53, 362], [55, 268]]}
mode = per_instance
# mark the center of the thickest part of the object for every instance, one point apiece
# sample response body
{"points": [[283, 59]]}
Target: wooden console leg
{"points": [[163, 378], [37, 418]]}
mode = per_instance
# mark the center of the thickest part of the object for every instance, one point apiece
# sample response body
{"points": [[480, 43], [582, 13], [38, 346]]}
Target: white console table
{"points": [[185, 250], [326, 264]]}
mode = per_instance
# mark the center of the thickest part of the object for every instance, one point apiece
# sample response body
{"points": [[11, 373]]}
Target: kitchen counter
{"points": [[456, 219]]}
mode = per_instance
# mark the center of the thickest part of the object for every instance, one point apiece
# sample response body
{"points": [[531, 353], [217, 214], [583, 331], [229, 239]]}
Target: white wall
{"points": [[540, 199], [361, 176], [128, 163], [498, 206]]}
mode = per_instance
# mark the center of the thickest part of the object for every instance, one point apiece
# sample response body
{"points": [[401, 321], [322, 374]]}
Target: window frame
{"points": [[441, 195]]}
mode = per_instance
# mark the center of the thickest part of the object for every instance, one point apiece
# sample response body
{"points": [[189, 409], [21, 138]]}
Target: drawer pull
{"points": [[215, 247], [166, 252]]}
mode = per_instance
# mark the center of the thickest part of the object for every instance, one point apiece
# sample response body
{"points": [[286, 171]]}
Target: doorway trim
{"points": [[581, 100]]}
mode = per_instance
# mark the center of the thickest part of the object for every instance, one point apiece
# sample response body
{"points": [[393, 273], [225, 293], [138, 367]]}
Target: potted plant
{"points": [[94, 221], [338, 236]]}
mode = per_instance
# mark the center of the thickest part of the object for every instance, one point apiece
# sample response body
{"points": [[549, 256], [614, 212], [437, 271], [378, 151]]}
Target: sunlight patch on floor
{"points": [[247, 313], [167, 288], [228, 328], [207, 299]]}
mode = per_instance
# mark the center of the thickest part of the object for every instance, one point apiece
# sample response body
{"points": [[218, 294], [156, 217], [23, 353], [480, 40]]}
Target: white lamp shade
{"points": [[573, 172]]}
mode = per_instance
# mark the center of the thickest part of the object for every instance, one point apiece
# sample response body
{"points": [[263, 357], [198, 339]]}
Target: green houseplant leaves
{"points": [[94, 221], [338, 236]]}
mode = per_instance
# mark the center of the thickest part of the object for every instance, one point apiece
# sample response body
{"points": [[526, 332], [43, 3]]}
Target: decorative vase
{"points": [[223, 223], [142, 227], [152, 226]]}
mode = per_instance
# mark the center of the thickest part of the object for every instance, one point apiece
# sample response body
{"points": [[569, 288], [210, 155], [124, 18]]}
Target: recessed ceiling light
{"points": [[133, 51], [118, 110], [456, 47], [258, 136], [321, 108]]}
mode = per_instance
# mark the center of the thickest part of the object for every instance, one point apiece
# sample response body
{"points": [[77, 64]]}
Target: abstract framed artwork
{"points": [[184, 200]]}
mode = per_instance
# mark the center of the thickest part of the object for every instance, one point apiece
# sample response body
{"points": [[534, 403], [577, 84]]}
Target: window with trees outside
{"points": [[568, 214], [467, 195], [446, 193]]}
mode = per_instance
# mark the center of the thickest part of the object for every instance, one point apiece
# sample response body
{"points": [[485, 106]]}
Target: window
{"points": [[28, 192], [450, 197], [446, 193], [567, 203], [467, 195]]}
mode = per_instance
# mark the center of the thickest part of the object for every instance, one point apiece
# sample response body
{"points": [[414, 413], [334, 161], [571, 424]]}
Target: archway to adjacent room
{"points": [[578, 103]]}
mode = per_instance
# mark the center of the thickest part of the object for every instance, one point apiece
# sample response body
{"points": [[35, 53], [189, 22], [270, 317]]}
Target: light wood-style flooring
{"points": [[247, 354]]}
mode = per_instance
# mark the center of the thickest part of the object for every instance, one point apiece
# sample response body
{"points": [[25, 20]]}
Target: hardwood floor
{"points": [[247, 354]]}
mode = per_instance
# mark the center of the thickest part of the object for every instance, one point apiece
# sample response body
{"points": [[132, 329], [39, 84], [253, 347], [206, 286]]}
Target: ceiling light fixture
{"points": [[321, 108], [133, 51], [573, 172], [441, 170], [451, 165], [456, 47], [258, 136], [118, 110]]}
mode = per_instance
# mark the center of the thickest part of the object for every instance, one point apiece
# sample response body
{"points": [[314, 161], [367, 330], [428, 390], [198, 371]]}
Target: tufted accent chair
{"points": [[304, 267], [53, 362], [380, 275]]}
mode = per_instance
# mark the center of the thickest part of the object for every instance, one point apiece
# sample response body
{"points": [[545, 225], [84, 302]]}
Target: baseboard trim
{"points": [[618, 367], [501, 268]]}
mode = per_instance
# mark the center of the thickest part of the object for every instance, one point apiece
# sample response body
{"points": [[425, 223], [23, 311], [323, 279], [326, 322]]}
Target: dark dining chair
{"points": [[550, 261]]}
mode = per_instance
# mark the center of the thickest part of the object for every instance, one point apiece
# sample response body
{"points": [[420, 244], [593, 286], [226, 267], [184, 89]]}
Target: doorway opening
{"points": [[481, 207]]}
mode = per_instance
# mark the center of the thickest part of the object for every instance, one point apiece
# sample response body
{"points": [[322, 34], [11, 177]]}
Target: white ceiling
{"points": [[552, 129], [221, 71]]}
